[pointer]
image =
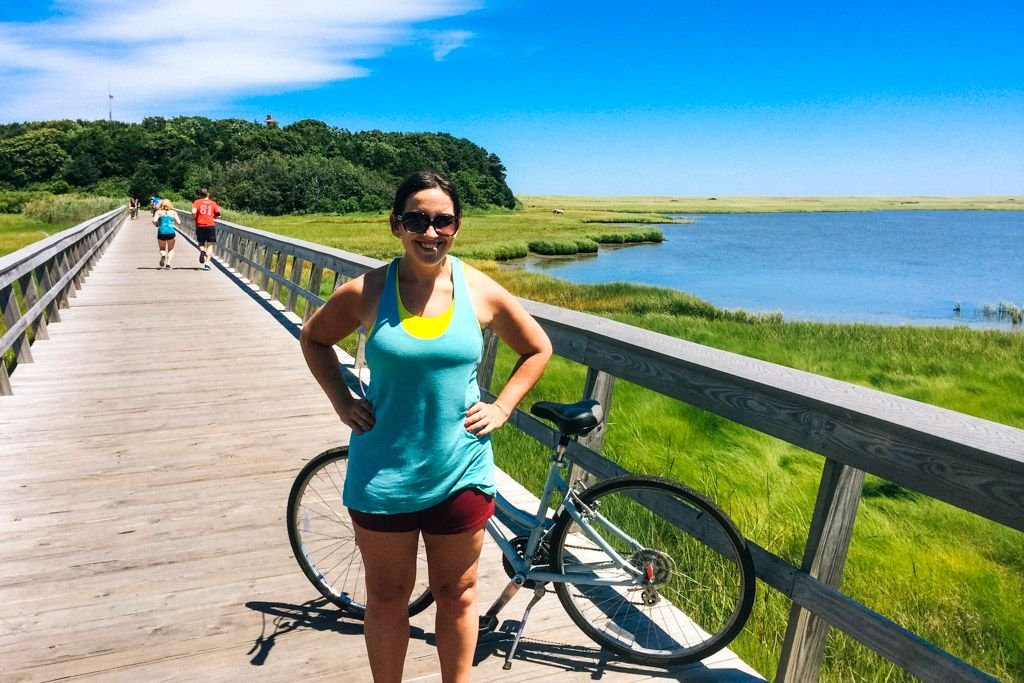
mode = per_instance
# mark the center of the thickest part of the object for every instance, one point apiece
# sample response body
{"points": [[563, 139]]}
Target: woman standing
{"points": [[165, 219], [420, 457]]}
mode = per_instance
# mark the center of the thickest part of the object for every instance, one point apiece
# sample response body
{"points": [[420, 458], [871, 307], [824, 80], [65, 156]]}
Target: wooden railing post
{"points": [[47, 279], [30, 294], [282, 261], [11, 314], [485, 371], [824, 559], [250, 259], [268, 260], [315, 277], [598, 386], [296, 279]]}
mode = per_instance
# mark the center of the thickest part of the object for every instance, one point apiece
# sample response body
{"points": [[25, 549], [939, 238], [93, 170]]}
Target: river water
{"points": [[887, 267]]}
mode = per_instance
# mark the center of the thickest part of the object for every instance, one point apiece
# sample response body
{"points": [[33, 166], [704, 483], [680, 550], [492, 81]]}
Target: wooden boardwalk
{"points": [[145, 462]]}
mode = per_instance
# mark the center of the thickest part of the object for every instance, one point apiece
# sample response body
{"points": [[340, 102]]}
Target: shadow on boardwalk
{"points": [[320, 615]]}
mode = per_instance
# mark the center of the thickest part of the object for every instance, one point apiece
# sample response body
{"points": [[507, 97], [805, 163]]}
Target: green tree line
{"points": [[305, 167]]}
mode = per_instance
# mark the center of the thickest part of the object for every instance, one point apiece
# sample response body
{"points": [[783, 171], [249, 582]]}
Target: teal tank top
{"points": [[418, 452], [165, 226]]}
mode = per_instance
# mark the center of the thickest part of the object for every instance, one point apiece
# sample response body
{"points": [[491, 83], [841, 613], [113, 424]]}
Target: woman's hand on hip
{"points": [[483, 418], [357, 413]]}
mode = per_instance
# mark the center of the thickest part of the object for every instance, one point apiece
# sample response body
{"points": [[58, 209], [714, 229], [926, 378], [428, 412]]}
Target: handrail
{"points": [[969, 462], [37, 281]]}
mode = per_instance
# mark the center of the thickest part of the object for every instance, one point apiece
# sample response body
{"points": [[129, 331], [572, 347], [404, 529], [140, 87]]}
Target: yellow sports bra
{"points": [[419, 327]]}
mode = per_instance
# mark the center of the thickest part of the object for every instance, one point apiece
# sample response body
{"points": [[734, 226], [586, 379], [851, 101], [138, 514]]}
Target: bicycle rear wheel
{"points": [[324, 543], [696, 577]]}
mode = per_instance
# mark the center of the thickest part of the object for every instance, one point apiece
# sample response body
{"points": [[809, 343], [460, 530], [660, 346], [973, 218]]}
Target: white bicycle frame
{"points": [[538, 525]]}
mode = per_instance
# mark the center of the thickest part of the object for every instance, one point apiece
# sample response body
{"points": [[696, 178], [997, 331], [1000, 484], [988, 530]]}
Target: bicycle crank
{"points": [[539, 558]]}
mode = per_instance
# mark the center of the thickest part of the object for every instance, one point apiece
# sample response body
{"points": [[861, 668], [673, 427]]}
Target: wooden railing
{"points": [[36, 282], [966, 461]]}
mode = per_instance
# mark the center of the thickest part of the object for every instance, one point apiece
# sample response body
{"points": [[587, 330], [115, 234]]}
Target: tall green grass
{"points": [[65, 208], [903, 562], [16, 231]]}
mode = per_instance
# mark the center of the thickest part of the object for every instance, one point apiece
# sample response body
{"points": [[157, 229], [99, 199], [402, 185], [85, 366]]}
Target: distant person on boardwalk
{"points": [[154, 205], [133, 207], [420, 459], [205, 211], [166, 219]]}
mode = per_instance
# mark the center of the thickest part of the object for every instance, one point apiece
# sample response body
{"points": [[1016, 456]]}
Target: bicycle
{"points": [[644, 566]]}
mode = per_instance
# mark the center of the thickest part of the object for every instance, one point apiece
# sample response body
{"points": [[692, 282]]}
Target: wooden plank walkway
{"points": [[145, 461]]}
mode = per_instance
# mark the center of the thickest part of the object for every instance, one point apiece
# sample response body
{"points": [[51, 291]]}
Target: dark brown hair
{"points": [[425, 180]]}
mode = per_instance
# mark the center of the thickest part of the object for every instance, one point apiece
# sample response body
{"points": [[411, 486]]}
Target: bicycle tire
{"points": [[323, 541], [697, 598]]}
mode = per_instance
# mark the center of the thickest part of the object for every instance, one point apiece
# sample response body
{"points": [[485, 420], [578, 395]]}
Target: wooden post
{"points": [[316, 272], [76, 252], [11, 314], [598, 386], [824, 559], [296, 280], [5, 380], [30, 295], [282, 261], [251, 271], [62, 268], [46, 280], [229, 251], [268, 261], [485, 371]]}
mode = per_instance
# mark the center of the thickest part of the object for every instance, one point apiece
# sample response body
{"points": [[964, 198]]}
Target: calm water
{"points": [[889, 267]]}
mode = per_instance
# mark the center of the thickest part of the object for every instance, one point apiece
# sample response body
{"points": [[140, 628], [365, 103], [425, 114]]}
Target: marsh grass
{"points": [[68, 208], [17, 231]]}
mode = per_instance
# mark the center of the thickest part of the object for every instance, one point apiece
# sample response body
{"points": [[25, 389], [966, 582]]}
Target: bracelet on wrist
{"points": [[502, 408]]}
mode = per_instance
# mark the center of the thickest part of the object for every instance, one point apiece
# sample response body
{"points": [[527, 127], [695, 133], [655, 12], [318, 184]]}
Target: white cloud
{"points": [[446, 42], [188, 55]]}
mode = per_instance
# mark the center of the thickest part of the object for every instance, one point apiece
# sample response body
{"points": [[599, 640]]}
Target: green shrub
{"points": [[586, 246], [510, 251], [631, 237], [498, 252], [554, 247], [649, 235], [13, 201]]}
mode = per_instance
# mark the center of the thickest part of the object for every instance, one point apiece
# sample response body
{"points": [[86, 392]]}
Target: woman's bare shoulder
{"points": [[482, 282], [370, 283]]}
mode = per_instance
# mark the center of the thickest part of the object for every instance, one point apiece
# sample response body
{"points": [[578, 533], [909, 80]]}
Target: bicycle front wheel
{"points": [[692, 582], [324, 543]]}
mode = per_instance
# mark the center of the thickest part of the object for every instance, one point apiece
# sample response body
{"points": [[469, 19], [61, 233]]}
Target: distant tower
{"points": [[110, 104], [271, 122]]}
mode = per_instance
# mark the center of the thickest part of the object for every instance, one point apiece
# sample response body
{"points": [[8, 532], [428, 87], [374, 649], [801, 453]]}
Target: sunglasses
{"points": [[417, 223]]}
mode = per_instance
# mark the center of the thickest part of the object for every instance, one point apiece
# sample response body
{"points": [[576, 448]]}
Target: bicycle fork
{"points": [[489, 621]]}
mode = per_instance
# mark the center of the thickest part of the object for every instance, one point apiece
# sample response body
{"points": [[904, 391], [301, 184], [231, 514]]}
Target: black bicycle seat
{"points": [[571, 419]]}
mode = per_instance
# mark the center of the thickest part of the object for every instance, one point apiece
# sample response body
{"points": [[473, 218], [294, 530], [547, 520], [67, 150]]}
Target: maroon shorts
{"points": [[467, 510]]}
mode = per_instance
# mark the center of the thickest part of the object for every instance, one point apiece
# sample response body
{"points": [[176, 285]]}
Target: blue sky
{"points": [[656, 98]]}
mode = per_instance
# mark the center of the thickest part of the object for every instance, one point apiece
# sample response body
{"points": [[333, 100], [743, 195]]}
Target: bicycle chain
{"points": [[519, 543]]}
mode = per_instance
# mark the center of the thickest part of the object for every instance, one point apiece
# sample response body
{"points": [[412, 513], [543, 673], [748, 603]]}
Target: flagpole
{"points": [[110, 104]]}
